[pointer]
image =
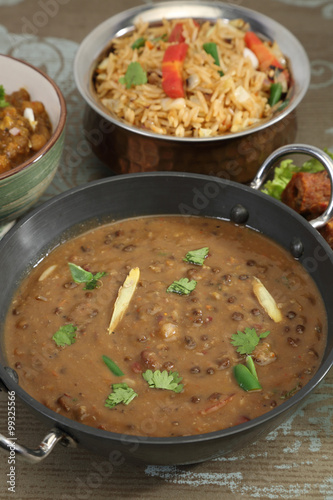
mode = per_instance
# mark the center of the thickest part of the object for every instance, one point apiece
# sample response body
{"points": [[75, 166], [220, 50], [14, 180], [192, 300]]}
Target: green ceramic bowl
{"points": [[22, 186]]}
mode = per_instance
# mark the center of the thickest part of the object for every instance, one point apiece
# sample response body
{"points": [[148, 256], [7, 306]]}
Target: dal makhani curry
{"points": [[166, 326]]}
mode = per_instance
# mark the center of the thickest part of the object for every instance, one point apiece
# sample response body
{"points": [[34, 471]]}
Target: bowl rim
{"points": [[55, 133], [69, 425], [85, 87]]}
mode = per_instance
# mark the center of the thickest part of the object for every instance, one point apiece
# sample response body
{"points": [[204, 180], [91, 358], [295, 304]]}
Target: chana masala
{"points": [[25, 128], [166, 326]]}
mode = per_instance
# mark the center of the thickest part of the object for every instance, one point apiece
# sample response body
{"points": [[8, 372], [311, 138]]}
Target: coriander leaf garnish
{"points": [[122, 393], [163, 380], [112, 366], [135, 75], [138, 43], [248, 340], [211, 49], [3, 102], [197, 256], [80, 275], [65, 335], [93, 283], [182, 286]]}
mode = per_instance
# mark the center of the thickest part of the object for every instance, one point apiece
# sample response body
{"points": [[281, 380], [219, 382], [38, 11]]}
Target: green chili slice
{"points": [[112, 366], [275, 94], [251, 367], [246, 380], [138, 43], [211, 49]]}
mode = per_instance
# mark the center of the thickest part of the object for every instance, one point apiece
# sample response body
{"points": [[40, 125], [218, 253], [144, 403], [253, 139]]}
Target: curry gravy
{"points": [[166, 331]]}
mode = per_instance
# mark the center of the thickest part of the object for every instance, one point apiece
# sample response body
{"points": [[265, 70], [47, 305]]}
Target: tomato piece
{"points": [[242, 419], [176, 34], [172, 83], [175, 52], [136, 367], [172, 66], [265, 56], [267, 60], [215, 407]]}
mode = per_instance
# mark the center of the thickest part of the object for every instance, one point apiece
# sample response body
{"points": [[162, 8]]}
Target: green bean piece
{"points": [[138, 43], [246, 380], [275, 94], [112, 366]]}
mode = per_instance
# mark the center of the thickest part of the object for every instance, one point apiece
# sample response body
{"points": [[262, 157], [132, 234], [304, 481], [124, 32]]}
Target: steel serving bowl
{"points": [[23, 185], [130, 195], [126, 148]]}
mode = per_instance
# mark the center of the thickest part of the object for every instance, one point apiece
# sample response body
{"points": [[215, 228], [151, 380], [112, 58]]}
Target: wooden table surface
{"points": [[295, 461]]}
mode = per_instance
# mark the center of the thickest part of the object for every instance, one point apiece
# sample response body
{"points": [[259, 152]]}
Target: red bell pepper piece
{"points": [[172, 66]]}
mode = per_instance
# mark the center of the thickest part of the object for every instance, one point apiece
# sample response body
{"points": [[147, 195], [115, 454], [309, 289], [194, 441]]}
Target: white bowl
{"points": [[23, 185]]}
